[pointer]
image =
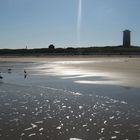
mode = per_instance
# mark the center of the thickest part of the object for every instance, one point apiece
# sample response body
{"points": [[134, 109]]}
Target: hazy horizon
{"points": [[64, 23]]}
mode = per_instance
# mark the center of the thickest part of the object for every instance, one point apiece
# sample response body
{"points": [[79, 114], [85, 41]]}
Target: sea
{"points": [[47, 101]]}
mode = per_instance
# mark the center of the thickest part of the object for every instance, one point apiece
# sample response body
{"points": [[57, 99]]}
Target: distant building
{"points": [[126, 38]]}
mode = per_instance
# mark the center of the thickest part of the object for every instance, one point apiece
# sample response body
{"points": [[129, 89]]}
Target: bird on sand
{"points": [[25, 72], [1, 76]]}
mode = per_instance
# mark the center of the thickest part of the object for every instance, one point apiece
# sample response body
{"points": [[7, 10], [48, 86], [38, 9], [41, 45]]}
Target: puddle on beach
{"points": [[55, 107]]}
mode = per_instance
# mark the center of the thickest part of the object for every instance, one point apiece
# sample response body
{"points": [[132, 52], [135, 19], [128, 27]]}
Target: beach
{"points": [[70, 98], [124, 69]]}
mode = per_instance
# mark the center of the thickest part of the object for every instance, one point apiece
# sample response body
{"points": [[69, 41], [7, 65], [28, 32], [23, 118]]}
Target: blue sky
{"points": [[38, 23]]}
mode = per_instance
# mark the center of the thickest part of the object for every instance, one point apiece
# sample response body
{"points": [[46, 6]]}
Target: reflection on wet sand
{"points": [[47, 105], [47, 113], [25, 76]]}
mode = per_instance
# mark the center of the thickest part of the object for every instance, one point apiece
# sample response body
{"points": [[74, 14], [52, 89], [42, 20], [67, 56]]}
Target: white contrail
{"points": [[79, 20]]}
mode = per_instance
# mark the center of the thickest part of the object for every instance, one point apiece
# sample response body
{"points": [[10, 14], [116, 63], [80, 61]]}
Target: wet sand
{"points": [[61, 99], [125, 69], [36, 113]]}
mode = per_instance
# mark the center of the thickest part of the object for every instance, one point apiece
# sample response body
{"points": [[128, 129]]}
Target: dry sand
{"points": [[124, 69]]}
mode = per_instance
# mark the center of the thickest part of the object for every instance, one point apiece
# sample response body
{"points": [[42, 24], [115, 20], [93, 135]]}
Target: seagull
{"points": [[9, 70], [25, 71], [1, 76]]}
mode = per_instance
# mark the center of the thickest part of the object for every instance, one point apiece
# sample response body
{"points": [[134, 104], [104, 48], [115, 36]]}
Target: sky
{"points": [[67, 23]]}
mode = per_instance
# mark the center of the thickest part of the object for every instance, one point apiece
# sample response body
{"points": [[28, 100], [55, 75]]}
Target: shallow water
{"points": [[49, 104]]}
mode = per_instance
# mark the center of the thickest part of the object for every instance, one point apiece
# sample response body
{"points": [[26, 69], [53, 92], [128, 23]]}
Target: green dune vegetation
{"points": [[51, 50]]}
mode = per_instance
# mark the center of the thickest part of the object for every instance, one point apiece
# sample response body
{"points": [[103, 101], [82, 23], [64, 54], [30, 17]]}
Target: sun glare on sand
{"points": [[66, 71]]}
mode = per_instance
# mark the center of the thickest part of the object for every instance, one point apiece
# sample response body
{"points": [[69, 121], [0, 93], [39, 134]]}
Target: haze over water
{"points": [[50, 104]]}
